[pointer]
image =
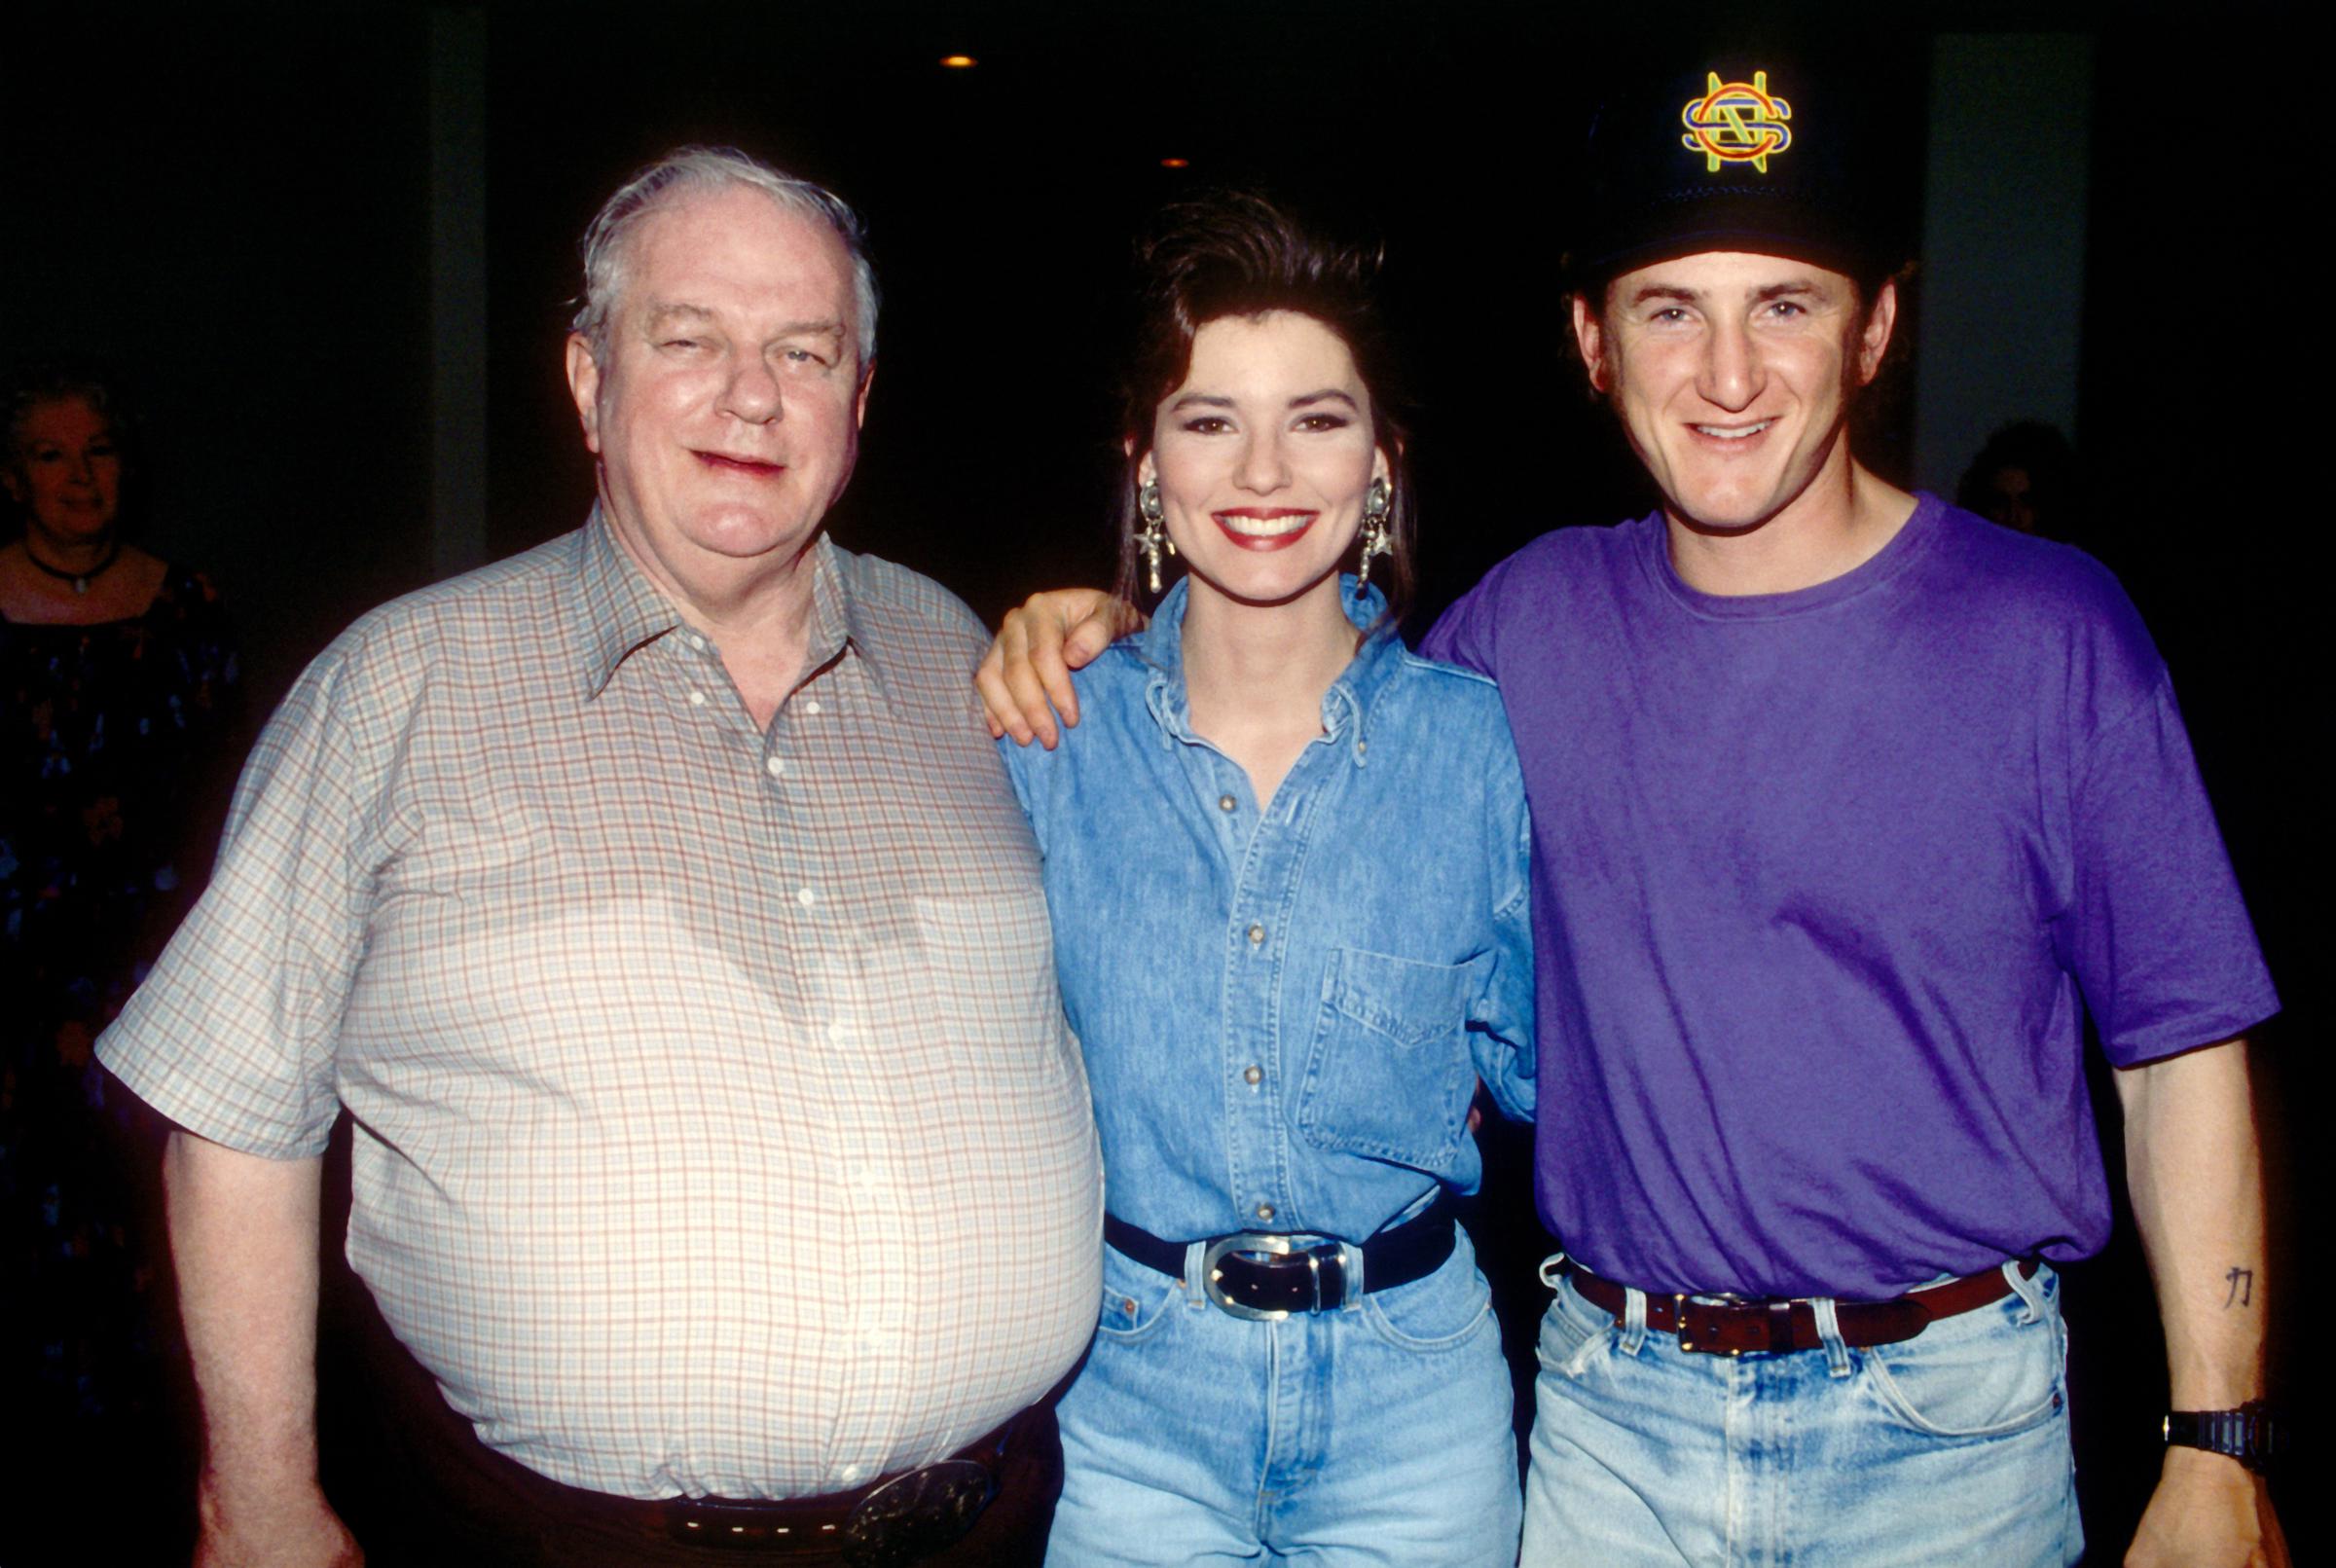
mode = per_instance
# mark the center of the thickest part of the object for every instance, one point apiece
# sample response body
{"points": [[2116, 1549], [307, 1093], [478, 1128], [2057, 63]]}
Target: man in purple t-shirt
{"points": [[1848, 808]]}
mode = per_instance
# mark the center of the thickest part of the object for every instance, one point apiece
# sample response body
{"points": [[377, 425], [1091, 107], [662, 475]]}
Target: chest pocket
{"points": [[1388, 1076]]}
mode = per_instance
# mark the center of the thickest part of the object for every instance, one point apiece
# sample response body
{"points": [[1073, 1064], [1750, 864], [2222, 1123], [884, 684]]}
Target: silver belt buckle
{"points": [[918, 1514], [1246, 1241]]}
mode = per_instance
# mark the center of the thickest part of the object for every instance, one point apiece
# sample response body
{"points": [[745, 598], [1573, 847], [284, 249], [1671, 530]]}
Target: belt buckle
{"points": [[1705, 1332], [918, 1514], [1247, 1241]]}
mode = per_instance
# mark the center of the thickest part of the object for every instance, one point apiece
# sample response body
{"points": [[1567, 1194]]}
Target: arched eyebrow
{"points": [[1212, 400]]}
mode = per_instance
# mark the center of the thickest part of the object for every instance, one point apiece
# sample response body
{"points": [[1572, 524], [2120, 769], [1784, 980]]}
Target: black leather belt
{"points": [[1777, 1327], [1257, 1274], [894, 1519]]}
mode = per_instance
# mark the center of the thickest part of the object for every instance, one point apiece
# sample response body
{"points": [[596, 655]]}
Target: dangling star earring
{"points": [[1152, 537], [1377, 537]]}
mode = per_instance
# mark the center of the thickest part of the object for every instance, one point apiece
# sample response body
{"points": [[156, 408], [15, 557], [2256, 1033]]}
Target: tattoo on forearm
{"points": [[2243, 1288]]}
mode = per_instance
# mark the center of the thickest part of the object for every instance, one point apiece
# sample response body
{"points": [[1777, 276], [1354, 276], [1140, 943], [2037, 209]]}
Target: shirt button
{"points": [[838, 1034], [1224, 803], [698, 643], [806, 898], [1256, 935], [811, 705], [774, 767], [850, 1474], [1252, 1074], [1361, 747], [697, 699], [1265, 1211]]}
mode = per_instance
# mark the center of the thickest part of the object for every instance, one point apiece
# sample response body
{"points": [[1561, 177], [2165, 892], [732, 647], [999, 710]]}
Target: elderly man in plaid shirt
{"points": [[658, 909]]}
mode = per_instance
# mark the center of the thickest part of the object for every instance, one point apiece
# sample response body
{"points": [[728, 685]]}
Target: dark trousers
{"points": [[423, 1492]]}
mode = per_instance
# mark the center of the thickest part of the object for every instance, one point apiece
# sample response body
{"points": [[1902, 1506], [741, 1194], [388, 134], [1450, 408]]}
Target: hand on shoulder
{"points": [[1025, 678]]}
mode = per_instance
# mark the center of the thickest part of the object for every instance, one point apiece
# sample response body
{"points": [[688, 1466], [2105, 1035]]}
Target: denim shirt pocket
{"points": [[1389, 1076]]}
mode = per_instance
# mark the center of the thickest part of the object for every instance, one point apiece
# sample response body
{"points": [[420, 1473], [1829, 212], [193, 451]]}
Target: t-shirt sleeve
{"points": [[1465, 635], [232, 1034], [2158, 936]]}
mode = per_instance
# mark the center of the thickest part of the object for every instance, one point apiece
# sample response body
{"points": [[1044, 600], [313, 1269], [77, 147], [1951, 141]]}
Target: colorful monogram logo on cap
{"points": [[1736, 122]]}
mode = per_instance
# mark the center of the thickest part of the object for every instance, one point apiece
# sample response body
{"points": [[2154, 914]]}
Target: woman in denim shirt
{"points": [[1287, 864]]}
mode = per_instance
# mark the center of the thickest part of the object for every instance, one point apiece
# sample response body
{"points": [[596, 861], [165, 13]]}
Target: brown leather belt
{"points": [[1777, 1327]]}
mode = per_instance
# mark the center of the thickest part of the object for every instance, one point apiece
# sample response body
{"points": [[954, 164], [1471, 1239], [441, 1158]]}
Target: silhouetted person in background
{"points": [[2027, 478], [119, 716]]}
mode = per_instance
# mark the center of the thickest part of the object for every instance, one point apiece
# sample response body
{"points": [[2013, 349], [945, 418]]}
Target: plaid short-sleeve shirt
{"points": [[717, 1130]]}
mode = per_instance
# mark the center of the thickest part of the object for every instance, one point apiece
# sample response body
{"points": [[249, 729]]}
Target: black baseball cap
{"points": [[1746, 149]]}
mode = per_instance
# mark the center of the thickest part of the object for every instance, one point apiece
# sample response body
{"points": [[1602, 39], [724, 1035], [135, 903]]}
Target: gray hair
{"points": [[607, 242]]}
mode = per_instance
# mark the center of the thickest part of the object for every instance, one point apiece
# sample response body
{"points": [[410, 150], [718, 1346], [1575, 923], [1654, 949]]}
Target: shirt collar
{"points": [[1345, 705], [622, 612]]}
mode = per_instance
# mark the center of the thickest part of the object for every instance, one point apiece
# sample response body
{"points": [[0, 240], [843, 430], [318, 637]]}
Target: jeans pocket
{"points": [[1136, 1300], [1567, 1330], [1447, 1309], [1985, 1374]]}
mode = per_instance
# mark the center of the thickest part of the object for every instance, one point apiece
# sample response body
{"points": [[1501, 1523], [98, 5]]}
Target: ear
{"points": [[859, 403], [1874, 338], [584, 386], [13, 484], [1589, 336], [1145, 470], [1381, 468]]}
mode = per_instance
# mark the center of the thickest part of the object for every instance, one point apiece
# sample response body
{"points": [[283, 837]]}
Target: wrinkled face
{"points": [[66, 472], [726, 408], [1263, 457], [1732, 374]]}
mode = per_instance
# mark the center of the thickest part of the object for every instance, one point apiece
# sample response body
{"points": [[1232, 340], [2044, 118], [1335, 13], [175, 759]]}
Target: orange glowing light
{"points": [[1176, 162], [959, 62]]}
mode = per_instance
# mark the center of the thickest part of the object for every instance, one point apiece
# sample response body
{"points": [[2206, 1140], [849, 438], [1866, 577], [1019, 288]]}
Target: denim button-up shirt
{"points": [[1286, 1012]]}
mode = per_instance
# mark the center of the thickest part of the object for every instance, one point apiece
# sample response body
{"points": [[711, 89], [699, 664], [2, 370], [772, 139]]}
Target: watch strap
{"points": [[2249, 1434]]}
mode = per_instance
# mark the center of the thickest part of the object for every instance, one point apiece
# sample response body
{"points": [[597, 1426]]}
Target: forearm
{"points": [[2195, 1172], [243, 1234], [2196, 1176]]}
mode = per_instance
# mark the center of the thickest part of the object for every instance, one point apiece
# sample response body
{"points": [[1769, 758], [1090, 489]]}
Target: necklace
{"points": [[78, 579]]}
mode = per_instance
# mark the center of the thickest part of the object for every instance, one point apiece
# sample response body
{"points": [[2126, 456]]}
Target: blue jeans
{"points": [[1378, 1433], [1951, 1447]]}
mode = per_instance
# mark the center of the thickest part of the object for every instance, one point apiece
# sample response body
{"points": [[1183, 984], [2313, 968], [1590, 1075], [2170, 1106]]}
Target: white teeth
{"points": [[1733, 432], [1264, 527]]}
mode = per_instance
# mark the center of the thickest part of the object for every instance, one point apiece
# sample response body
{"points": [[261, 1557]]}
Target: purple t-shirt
{"points": [[1822, 883]]}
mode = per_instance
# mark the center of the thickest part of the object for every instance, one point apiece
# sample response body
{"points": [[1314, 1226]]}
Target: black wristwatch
{"points": [[2251, 1434]]}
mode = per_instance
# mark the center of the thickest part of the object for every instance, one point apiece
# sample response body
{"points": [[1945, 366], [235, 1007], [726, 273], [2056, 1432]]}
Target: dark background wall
{"points": [[332, 248]]}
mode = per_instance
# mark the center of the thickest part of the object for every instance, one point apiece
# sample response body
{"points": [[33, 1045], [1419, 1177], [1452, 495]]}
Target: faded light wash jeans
{"points": [[1950, 1448], [1376, 1433]]}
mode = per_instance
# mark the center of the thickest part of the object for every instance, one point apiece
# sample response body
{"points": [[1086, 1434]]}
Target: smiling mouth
{"points": [[1732, 432], [751, 468], [1264, 529]]}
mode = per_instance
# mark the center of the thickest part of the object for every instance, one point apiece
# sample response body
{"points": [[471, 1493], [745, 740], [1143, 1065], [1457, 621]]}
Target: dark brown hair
{"points": [[1236, 253]]}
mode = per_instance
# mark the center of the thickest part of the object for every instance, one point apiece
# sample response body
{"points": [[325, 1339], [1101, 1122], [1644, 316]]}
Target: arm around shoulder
{"points": [[1025, 678]]}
